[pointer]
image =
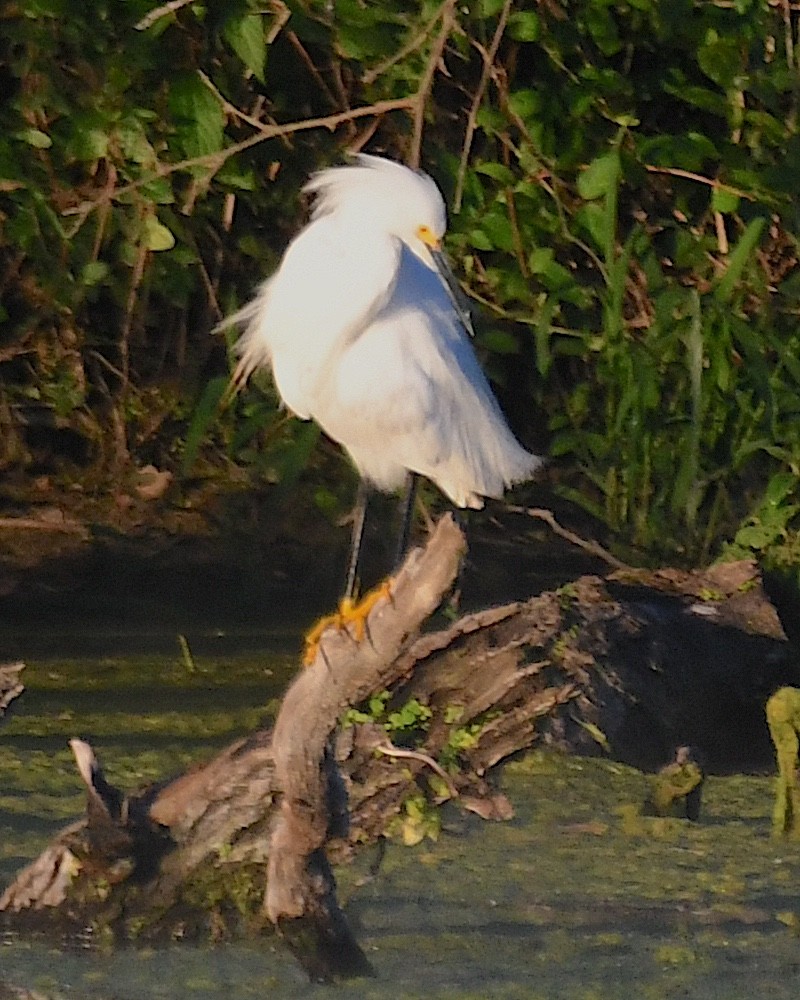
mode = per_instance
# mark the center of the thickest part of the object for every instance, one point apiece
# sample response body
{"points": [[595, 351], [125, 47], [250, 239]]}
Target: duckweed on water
{"points": [[577, 894], [113, 674], [209, 725]]}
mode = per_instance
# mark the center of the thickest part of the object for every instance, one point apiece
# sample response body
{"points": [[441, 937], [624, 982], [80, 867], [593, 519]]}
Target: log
{"points": [[300, 898], [632, 665], [11, 686], [160, 848]]}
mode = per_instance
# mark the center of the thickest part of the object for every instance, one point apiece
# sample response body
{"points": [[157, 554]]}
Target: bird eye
{"points": [[426, 234]]}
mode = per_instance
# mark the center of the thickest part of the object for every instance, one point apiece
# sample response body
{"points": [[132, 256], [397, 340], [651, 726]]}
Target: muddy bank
{"points": [[244, 559]]}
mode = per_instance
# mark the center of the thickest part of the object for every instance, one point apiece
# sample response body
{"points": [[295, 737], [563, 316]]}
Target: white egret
{"points": [[364, 334]]}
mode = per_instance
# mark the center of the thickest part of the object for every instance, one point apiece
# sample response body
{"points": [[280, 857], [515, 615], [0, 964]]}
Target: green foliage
{"points": [[772, 527], [410, 718], [622, 177], [461, 738], [417, 820], [411, 722]]}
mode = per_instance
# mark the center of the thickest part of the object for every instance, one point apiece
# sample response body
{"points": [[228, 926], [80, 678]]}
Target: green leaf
{"points": [[526, 103], [87, 144], [377, 704], [94, 273], [603, 28], [756, 536], [156, 235], [479, 240], [721, 61], [498, 171], [499, 342], [523, 26], [724, 201], [738, 259], [290, 464], [700, 97], [554, 276], [133, 141], [497, 227], [245, 35], [232, 174], [592, 217], [600, 177], [542, 333], [204, 413], [35, 137], [690, 151], [159, 190], [199, 116], [596, 733], [780, 486]]}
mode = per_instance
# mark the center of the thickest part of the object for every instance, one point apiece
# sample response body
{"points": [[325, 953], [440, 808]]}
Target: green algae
{"points": [[675, 790], [577, 894], [783, 718]]}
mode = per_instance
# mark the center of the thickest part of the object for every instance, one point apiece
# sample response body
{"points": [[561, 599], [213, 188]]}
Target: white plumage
{"points": [[364, 337]]}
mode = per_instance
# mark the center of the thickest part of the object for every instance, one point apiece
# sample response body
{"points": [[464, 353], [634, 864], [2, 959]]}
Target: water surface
{"points": [[577, 897]]}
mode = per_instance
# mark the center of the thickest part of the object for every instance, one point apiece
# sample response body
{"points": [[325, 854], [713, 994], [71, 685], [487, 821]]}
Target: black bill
{"points": [[457, 297]]}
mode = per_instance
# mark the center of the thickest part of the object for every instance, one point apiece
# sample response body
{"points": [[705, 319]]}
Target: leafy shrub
{"points": [[621, 176]]}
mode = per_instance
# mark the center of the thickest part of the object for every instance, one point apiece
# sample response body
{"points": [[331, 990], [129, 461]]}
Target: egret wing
{"points": [[324, 294], [409, 394]]}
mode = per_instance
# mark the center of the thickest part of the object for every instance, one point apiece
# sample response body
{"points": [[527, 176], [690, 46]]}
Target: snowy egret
{"points": [[362, 328]]}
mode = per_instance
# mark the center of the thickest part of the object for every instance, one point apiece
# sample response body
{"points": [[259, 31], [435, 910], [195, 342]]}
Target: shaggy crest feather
{"points": [[376, 187]]}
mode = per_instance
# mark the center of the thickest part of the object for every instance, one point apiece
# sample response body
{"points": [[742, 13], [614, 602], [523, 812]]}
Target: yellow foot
{"points": [[351, 616]]}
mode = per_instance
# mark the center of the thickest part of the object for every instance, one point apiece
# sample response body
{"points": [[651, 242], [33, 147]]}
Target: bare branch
{"points": [[63, 524], [426, 83], [214, 161], [588, 545], [709, 181], [472, 118], [158, 12]]}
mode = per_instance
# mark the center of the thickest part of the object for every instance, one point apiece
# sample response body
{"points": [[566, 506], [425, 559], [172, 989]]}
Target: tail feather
{"points": [[251, 348]]}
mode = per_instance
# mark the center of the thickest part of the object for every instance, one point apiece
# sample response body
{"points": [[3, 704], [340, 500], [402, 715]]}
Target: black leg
{"points": [[359, 516], [406, 517]]}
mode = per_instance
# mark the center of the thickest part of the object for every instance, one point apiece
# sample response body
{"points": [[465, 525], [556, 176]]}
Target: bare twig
{"points": [[308, 62], [390, 750], [64, 524], [722, 236], [214, 161], [227, 107], [282, 15], [588, 545], [709, 181], [158, 12], [513, 218], [426, 83], [788, 40], [472, 117]]}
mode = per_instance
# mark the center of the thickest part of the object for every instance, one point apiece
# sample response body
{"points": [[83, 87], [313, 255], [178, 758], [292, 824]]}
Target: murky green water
{"points": [[578, 897]]}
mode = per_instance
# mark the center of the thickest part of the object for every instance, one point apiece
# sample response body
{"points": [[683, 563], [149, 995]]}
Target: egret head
{"points": [[379, 194]]}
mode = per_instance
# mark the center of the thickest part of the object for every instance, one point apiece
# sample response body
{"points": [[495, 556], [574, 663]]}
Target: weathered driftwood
{"points": [[300, 897], [633, 665], [11, 686], [156, 857]]}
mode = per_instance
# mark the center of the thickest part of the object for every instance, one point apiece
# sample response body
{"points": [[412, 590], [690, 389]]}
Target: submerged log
{"points": [[631, 665]]}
